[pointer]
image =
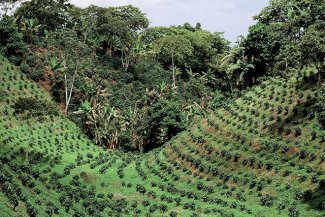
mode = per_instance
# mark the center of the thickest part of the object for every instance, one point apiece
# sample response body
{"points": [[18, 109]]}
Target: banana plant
{"points": [[114, 124], [190, 73], [241, 67], [88, 26], [55, 65], [210, 77], [30, 28], [162, 87], [176, 71], [236, 52], [294, 11]]}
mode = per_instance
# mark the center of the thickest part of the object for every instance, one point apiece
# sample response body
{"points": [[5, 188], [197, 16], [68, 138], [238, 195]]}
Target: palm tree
{"points": [[194, 110], [132, 121], [114, 44], [235, 53], [191, 74], [199, 82], [209, 77], [175, 71], [139, 50], [88, 26], [131, 51], [30, 28], [55, 65], [240, 70], [113, 125], [236, 64], [87, 110], [294, 11], [93, 115], [162, 87]]}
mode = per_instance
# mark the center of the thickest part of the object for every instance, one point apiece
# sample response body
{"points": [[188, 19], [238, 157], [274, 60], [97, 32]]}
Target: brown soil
{"points": [[89, 178], [293, 150]]}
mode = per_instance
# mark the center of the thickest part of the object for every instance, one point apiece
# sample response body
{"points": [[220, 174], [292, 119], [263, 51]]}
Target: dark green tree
{"points": [[165, 120], [12, 44]]}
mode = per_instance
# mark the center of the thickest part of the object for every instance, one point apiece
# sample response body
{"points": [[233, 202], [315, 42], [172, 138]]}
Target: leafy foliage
{"points": [[34, 108], [165, 120], [192, 134], [11, 41]]}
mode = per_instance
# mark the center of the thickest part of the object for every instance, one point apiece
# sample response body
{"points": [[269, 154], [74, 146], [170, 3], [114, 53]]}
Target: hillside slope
{"points": [[263, 155]]}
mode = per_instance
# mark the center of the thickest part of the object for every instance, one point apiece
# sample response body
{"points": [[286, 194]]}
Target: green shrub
{"points": [[36, 74], [165, 120], [34, 107], [25, 68], [11, 42]]}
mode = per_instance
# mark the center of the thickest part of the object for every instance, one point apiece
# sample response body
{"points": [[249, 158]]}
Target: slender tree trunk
{"points": [[68, 93], [319, 80], [230, 85], [30, 141], [122, 58], [318, 83], [173, 66], [27, 156], [125, 59]]}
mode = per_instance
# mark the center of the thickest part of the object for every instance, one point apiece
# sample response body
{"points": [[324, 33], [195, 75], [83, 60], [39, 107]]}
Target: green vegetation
{"points": [[109, 60], [101, 115], [34, 107], [260, 155]]}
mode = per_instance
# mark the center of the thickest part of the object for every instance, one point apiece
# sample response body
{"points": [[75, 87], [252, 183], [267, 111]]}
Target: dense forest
{"points": [[95, 98]]}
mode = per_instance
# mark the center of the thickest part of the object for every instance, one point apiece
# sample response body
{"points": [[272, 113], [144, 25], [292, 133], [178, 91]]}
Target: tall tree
{"points": [[175, 50], [312, 46], [12, 43], [50, 14], [75, 58], [121, 24], [30, 28]]}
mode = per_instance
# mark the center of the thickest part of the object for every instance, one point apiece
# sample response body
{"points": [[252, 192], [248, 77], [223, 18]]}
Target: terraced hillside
{"points": [[263, 155]]}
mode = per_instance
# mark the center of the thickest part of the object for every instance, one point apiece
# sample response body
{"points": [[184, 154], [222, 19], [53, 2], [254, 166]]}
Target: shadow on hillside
{"points": [[317, 200], [303, 112]]}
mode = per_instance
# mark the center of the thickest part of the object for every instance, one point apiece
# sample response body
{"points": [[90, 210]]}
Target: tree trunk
{"points": [[230, 85], [122, 58], [125, 59], [27, 156], [319, 80], [68, 93], [173, 66], [319, 83]]}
